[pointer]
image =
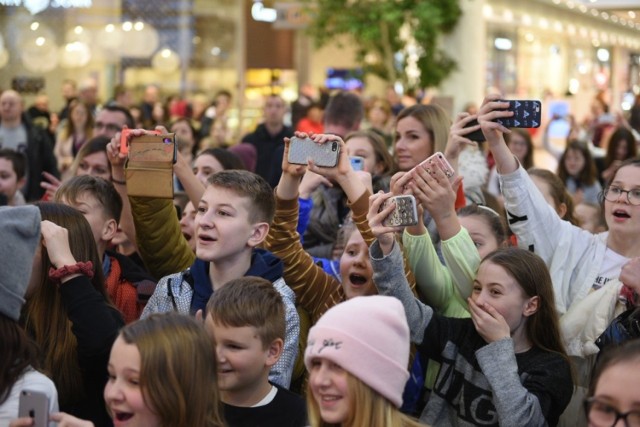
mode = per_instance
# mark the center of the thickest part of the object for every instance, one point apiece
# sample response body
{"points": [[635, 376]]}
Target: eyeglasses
{"points": [[107, 126], [601, 414], [612, 194]]}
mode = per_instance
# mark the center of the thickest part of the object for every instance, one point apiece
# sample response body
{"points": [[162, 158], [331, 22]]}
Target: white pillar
{"points": [[467, 44]]}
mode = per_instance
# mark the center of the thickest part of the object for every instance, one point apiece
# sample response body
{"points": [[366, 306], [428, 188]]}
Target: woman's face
{"points": [[574, 162], [618, 389], [518, 146], [205, 166], [79, 116], [122, 393], [95, 164], [360, 146], [413, 143]]}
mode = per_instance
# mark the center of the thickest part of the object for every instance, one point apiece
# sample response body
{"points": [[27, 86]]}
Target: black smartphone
{"points": [[526, 114], [476, 135], [324, 155], [34, 404]]}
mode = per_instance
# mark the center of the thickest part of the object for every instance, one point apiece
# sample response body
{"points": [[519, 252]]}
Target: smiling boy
{"points": [[246, 321]]}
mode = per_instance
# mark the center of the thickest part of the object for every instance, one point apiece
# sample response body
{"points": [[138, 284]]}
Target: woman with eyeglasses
{"points": [[594, 276], [614, 393]]}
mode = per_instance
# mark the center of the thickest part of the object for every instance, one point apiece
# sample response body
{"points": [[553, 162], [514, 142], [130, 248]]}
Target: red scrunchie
{"points": [[85, 268]]}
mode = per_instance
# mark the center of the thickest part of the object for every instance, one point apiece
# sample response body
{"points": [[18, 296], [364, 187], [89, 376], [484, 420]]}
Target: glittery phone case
{"points": [[405, 213], [324, 155]]}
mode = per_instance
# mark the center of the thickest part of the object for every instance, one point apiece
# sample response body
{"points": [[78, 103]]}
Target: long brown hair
{"points": [[532, 275], [186, 391], [19, 353], [589, 172], [368, 408], [621, 135], [44, 314]]}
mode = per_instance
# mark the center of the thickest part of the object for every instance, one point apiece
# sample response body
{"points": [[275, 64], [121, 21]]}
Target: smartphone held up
{"points": [[526, 114], [404, 214], [324, 155]]}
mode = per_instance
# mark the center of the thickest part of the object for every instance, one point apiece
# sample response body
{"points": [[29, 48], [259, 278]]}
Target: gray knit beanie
{"points": [[20, 232]]}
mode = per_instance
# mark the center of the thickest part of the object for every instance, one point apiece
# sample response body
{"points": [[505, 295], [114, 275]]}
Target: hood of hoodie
{"points": [[263, 264]]}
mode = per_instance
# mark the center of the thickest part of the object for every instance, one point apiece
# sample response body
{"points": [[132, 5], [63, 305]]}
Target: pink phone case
{"points": [[438, 160]]}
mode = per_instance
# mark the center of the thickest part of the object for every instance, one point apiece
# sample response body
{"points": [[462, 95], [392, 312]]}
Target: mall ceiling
{"points": [[626, 12]]}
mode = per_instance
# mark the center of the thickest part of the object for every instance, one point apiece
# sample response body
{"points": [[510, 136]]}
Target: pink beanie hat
{"points": [[369, 338]]}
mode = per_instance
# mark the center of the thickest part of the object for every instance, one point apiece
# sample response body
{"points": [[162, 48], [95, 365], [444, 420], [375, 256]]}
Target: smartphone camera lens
{"points": [[167, 140], [334, 146]]}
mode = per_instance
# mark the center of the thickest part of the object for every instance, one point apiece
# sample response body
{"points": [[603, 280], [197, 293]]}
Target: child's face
{"points": [[93, 211], [205, 166], [187, 225], [621, 216], [495, 287], [122, 393], [360, 146], [544, 188], [617, 389], [223, 228], [242, 360], [574, 162], [480, 233], [95, 164], [328, 383], [9, 183], [355, 268], [588, 217], [518, 146]]}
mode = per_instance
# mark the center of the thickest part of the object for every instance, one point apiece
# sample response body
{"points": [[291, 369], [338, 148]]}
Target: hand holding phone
{"points": [[405, 212], [477, 134], [526, 114], [124, 136], [437, 160], [35, 405], [324, 155]]}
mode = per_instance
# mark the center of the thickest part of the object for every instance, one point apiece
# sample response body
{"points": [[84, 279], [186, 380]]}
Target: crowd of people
{"points": [[272, 293]]}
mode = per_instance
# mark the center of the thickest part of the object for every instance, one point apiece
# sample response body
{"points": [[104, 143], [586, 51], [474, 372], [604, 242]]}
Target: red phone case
{"points": [[124, 147]]}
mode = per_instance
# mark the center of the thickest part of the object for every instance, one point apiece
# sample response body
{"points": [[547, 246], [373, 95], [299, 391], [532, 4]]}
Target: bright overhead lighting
{"points": [[502, 43]]}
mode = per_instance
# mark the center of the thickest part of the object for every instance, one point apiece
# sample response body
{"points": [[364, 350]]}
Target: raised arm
{"points": [[387, 264], [156, 228], [315, 290], [490, 110]]}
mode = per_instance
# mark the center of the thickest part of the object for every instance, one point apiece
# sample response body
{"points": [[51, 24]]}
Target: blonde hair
{"points": [[368, 408], [435, 121]]}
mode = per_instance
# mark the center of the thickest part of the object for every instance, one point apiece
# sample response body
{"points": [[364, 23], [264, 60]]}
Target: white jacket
{"points": [[574, 257]]}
